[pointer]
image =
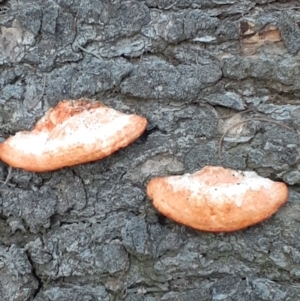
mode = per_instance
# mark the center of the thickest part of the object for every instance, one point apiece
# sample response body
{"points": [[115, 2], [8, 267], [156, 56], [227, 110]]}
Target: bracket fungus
{"points": [[217, 199], [74, 132]]}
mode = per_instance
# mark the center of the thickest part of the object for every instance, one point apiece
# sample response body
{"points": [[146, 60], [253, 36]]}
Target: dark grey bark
{"points": [[89, 232]]}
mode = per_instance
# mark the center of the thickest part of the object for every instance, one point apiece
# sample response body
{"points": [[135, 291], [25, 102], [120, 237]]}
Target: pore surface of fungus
{"points": [[74, 132], [217, 199]]}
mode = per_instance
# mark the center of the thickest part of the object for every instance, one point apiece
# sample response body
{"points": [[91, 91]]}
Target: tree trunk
{"points": [[194, 69]]}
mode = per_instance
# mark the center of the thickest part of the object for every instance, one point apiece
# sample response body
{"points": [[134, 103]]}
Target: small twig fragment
{"points": [[90, 52], [8, 177]]}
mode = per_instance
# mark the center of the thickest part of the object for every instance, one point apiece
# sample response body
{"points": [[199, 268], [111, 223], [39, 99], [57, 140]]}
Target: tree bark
{"points": [[195, 69]]}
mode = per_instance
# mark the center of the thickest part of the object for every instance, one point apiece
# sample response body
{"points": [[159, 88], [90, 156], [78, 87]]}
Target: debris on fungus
{"points": [[74, 132], [217, 199]]}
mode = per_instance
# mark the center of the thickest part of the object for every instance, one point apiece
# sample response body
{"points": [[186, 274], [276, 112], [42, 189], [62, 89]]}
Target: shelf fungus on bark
{"points": [[74, 132], [217, 199]]}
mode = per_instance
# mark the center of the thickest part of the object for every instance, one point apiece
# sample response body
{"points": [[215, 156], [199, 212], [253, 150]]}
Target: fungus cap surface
{"points": [[74, 132], [217, 199]]}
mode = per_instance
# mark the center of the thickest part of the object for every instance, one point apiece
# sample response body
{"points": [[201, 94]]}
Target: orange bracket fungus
{"points": [[74, 132], [217, 199]]}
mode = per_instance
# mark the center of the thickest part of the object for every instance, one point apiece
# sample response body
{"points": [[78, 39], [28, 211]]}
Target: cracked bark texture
{"points": [[89, 232]]}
